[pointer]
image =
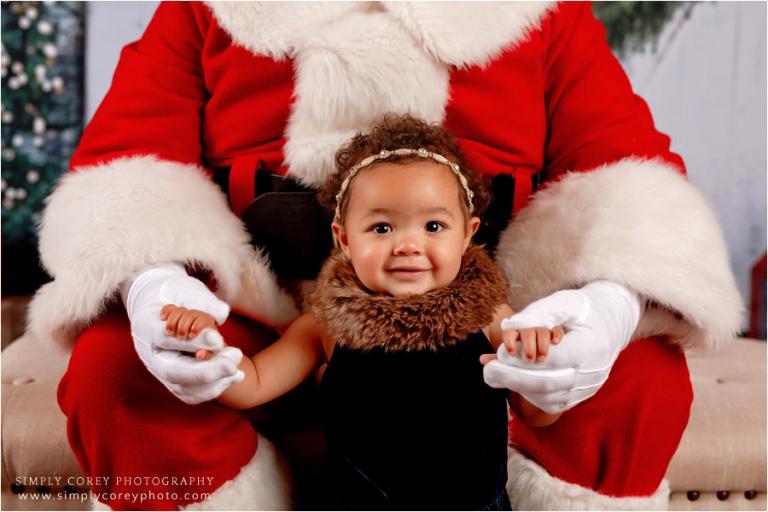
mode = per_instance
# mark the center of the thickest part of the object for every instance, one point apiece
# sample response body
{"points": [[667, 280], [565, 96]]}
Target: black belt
{"points": [[286, 221]]}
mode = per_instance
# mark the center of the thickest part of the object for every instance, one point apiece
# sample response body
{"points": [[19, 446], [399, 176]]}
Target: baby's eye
{"points": [[434, 226], [381, 228]]}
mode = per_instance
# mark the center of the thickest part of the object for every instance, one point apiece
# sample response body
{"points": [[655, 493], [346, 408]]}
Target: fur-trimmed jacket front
{"points": [[278, 86]]}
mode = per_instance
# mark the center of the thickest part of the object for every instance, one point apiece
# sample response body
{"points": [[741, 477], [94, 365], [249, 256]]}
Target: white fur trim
{"points": [[455, 33], [355, 61], [637, 222], [275, 29], [530, 487], [464, 34], [260, 298], [265, 483], [342, 87], [97, 505], [103, 224]]}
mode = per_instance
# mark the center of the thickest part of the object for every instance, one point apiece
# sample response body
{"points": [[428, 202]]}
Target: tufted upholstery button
{"points": [[693, 495], [750, 495], [19, 381], [43, 489], [723, 495], [17, 488]]}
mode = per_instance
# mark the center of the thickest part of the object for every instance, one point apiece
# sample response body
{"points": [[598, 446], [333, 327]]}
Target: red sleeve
{"points": [[594, 116], [155, 102]]}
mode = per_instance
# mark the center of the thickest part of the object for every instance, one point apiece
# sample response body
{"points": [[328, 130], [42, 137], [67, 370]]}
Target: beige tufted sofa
{"points": [[720, 465]]}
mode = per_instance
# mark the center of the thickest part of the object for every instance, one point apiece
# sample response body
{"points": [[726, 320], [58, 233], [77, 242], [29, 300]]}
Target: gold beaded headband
{"points": [[386, 153]]}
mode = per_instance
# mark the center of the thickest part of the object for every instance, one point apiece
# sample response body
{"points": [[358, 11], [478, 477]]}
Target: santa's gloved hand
{"points": [[170, 359], [599, 320]]}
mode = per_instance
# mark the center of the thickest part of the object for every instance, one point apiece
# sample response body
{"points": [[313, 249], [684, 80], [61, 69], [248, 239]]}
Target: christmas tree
{"points": [[42, 118]]}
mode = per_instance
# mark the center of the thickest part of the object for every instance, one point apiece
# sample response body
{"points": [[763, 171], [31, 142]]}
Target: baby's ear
{"points": [[473, 224], [340, 237]]}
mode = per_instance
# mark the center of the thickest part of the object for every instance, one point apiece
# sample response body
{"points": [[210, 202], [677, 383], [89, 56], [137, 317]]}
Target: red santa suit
{"points": [[531, 90]]}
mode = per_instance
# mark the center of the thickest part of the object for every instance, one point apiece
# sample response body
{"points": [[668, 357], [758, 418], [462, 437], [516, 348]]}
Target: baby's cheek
{"points": [[450, 257], [368, 269], [445, 273]]}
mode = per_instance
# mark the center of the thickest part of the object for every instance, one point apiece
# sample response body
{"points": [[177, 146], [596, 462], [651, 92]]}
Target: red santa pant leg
{"points": [[145, 449], [611, 451]]}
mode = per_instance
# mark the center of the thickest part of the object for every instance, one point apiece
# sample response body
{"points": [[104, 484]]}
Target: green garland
{"points": [[632, 26]]}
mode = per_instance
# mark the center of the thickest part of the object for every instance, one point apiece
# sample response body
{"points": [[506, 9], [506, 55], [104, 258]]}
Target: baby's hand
{"points": [[186, 324], [535, 341]]}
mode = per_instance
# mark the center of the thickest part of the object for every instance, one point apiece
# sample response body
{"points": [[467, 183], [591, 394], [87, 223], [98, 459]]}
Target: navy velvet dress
{"points": [[415, 429]]}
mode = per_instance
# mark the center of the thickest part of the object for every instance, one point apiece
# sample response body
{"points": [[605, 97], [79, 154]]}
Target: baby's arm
{"points": [[270, 373], [280, 367], [536, 343]]}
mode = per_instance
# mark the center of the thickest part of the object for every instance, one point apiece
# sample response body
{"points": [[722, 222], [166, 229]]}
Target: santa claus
{"points": [[215, 97]]}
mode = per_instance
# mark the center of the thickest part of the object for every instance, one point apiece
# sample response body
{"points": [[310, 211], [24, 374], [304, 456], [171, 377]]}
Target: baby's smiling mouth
{"points": [[407, 273]]}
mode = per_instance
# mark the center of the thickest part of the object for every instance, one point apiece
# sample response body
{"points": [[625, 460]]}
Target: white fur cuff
{"points": [[637, 222], [530, 487], [103, 224], [264, 483]]}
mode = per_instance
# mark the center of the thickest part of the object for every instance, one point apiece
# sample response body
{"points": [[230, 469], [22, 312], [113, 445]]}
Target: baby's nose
{"points": [[408, 246]]}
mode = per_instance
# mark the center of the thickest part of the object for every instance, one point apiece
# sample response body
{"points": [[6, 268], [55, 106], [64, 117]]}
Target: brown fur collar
{"points": [[358, 318]]}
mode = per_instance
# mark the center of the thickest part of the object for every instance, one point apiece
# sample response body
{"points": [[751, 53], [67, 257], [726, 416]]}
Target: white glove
{"points": [[172, 360], [599, 320]]}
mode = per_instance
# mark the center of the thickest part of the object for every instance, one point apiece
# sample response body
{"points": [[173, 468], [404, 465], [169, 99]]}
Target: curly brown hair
{"points": [[395, 132]]}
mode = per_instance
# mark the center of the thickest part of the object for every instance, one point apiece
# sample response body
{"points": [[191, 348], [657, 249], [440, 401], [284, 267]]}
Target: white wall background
{"points": [[706, 86], [109, 27]]}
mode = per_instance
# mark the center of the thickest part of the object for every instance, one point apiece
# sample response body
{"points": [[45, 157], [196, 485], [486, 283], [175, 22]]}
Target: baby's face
{"points": [[405, 230]]}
